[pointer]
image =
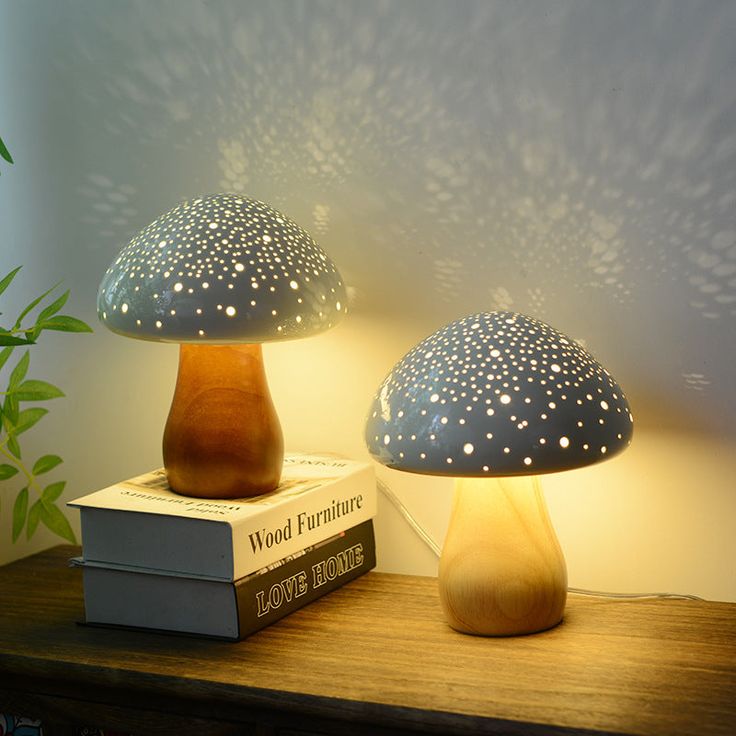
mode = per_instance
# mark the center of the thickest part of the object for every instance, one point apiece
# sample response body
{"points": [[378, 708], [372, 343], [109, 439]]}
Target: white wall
{"points": [[575, 161]]}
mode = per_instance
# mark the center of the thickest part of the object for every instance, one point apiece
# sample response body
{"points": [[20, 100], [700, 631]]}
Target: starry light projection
{"points": [[624, 192], [219, 269], [497, 394]]}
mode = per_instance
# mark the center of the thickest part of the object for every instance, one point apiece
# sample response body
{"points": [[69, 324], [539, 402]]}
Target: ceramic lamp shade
{"points": [[497, 394], [221, 269]]}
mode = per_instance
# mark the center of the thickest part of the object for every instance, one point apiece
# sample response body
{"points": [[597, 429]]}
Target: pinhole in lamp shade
{"points": [[494, 399], [220, 275]]}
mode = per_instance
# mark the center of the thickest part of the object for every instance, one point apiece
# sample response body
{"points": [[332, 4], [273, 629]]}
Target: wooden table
{"points": [[375, 657]]}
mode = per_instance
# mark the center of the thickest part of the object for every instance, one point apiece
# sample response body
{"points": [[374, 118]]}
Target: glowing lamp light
{"points": [[495, 399], [220, 275]]}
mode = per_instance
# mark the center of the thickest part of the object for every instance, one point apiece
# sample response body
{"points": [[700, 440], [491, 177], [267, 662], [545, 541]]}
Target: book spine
{"points": [[302, 521], [268, 596]]}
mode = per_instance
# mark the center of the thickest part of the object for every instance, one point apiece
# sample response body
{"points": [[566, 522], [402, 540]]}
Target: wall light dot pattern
{"points": [[497, 393], [221, 268]]}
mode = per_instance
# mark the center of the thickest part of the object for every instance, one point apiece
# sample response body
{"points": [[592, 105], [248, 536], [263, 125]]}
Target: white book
{"points": [[142, 523]]}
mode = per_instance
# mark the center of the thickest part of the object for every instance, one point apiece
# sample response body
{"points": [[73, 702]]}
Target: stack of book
{"points": [[153, 559]]}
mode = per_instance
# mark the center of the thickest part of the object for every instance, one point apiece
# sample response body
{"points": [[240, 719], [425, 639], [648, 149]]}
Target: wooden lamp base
{"points": [[502, 571], [222, 437]]}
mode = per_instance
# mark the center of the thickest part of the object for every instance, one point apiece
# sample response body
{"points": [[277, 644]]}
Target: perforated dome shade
{"points": [[219, 269], [497, 394]]}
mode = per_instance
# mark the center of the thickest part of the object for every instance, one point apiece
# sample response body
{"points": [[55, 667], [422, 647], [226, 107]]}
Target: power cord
{"points": [[413, 523], [422, 533], [635, 596]]}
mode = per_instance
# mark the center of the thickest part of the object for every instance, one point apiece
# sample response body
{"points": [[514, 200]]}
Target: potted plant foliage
{"points": [[21, 409]]}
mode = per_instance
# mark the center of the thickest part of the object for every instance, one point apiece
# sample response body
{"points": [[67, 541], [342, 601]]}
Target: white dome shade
{"points": [[497, 394], [221, 268]]}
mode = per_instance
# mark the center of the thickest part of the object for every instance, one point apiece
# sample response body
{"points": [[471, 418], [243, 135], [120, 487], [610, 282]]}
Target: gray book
{"points": [[151, 600]]}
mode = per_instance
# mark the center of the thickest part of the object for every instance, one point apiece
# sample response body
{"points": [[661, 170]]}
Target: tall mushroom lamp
{"points": [[220, 275], [495, 399]]}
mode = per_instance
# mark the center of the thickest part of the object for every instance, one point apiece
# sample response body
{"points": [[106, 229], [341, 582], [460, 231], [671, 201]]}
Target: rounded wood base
{"points": [[222, 437], [502, 571]]}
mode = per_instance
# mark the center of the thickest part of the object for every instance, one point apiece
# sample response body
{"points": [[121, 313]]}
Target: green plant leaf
{"points": [[7, 279], [19, 372], [55, 520], [52, 492], [7, 339], [33, 390], [7, 471], [28, 417], [46, 463], [4, 355], [13, 446], [20, 512], [34, 516], [53, 308], [33, 304], [10, 412], [5, 153], [64, 323]]}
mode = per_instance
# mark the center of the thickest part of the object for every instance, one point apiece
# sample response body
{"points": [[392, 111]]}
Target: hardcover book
{"points": [[148, 599], [143, 523]]}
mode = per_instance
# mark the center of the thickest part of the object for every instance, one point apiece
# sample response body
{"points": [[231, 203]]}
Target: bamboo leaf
{"points": [[33, 304], [52, 492], [53, 308], [63, 323], [11, 414], [34, 516], [7, 471], [19, 372], [46, 463], [5, 153], [28, 417], [20, 512], [7, 279], [14, 447], [4, 355], [55, 520], [7, 339], [34, 390]]}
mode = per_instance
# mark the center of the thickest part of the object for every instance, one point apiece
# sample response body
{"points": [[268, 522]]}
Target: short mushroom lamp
{"points": [[220, 275], [495, 399]]}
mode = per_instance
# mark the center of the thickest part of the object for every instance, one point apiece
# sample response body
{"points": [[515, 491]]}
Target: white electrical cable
{"points": [[413, 523], [635, 596], [427, 539]]}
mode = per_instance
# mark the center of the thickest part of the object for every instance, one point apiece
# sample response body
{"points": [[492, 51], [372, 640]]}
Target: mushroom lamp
{"points": [[220, 275], [494, 399]]}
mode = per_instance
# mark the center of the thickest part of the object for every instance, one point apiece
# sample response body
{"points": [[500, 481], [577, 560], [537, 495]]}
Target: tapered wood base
{"points": [[222, 437], [502, 571]]}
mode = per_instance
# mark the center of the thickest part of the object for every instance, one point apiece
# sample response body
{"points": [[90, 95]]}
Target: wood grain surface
{"points": [[502, 571], [222, 437], [378, 654]]}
